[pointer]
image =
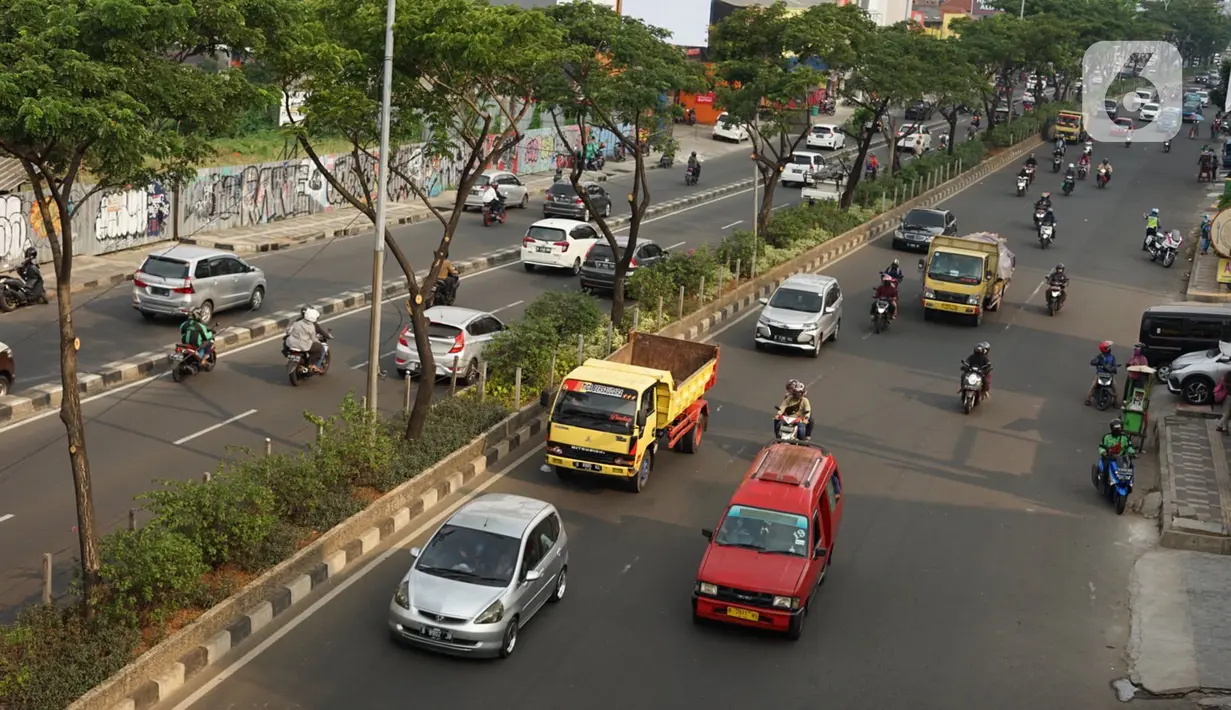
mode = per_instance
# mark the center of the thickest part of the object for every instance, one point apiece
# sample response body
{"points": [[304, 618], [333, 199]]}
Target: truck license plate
{"points": [[949, 307], [587, 466]]}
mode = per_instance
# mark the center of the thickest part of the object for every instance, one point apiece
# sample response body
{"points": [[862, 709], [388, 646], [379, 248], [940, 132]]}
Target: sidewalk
{"points": [[94, 272], [1195, 482], [1203, 278]]}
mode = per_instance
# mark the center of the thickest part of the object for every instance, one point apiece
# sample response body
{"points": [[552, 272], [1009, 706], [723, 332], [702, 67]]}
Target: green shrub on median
{"points": [[206, 538]]}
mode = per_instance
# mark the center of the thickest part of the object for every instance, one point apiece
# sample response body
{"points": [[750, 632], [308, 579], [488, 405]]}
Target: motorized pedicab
{"points": [[1136, 414], [1206, 171]]}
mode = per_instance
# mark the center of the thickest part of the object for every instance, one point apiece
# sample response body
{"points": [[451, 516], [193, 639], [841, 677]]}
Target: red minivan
{"points": [[773, 546]]}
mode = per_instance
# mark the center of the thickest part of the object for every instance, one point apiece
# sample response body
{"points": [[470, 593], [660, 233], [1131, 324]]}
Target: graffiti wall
{"points": [[247, 195]]}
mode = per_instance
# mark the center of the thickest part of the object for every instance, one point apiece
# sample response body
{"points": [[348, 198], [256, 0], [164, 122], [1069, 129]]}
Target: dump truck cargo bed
{"points": [[692, 368]]}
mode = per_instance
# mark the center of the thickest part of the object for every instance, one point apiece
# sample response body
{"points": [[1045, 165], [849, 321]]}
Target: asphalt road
{"points": [[111, 330], [975, 567]]}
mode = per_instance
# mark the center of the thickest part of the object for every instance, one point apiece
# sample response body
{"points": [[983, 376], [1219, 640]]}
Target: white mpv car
{"points": [[826, 135], [726, 130], [557, 244]]}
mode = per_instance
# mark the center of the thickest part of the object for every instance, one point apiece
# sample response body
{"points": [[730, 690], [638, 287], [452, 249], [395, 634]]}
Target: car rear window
{"points": [[437, 330], [801, 159], [165, 268], [482, 180], [601, 252], [562, 188], [821, 130], [545, 234]]}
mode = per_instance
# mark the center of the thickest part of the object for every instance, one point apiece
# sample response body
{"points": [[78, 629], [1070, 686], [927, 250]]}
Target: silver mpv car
{"points": [[481, 577], [181, 278]]}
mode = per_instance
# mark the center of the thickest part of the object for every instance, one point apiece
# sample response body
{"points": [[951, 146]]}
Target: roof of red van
{"points": [[784, 477]]}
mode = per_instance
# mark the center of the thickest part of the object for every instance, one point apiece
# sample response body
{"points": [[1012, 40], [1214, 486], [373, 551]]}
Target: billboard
{"points": [[687, 20], [982, 8]]}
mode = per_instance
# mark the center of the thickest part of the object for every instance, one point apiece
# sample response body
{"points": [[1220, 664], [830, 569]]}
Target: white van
{"points": [[1146, 96], [805, 165]]}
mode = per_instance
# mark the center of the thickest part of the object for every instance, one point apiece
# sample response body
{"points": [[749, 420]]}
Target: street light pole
{"points": [[1023, 13], [382, 204]]}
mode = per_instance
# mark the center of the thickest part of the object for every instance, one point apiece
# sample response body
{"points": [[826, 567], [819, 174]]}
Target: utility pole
{"points": [[382, 204]]}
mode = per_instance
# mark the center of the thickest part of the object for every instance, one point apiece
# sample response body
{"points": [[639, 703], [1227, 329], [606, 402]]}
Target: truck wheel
{"points": [[637, 482], [689, 444]]}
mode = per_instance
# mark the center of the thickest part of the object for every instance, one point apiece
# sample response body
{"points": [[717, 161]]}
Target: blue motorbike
{"points": [[1112, 476]]}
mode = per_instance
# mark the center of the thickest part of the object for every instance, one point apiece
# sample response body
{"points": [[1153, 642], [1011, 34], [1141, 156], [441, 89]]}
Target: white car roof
{"points": [[559, 223], [453, 315], [828, 126]]}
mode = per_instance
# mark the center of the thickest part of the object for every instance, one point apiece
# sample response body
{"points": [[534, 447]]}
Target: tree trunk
{"points": [[427, 374], [769, 176], [70, 415], [952, 119], [848, 195]]}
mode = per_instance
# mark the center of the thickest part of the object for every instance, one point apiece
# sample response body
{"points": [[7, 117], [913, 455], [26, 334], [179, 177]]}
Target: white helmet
{"points": [[311, 314]]}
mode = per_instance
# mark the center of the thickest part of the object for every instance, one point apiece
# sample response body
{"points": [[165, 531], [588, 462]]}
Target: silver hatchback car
{"points": [[175, 281], [481, 577], [803, 313], [454, 332]]}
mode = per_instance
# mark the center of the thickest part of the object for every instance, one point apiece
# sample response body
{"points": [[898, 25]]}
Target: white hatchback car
{"points": [[826, 135], [1149, 112], [510, 187], [805, 167], [557, 244], [915, 138], [725, 129], [454, 332]]}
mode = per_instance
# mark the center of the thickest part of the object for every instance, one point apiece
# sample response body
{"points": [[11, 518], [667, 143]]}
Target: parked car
{"points": [[482, 576], [454, 332], [510, 187], [919, 111], [1204, 96], [174, 281], [557, 244], [1173, 329], [8, 371], [918, 226], [914, 138], [773, 546], [563, 201], [1149, 112], [598, 267], [1194, 376], [805, 167], [726, 129], [826, 135], [803, 313]]}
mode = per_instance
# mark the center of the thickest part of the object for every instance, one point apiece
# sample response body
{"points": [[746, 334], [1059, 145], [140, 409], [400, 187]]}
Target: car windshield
{"points": [[790, 299], [924, 218], [1110, 104], [469, 555], [598, 407], [1069, 121], [165, 268], [1124, 122], [956, 268], [545, 234], [909, 128], [764, 530]]}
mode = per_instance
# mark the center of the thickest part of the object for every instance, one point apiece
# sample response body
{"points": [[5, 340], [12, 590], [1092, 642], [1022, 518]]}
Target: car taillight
{"points": [[578, 201], [139, 283], [563, 245], [186, 288], [527, 241], [402, 339], [632, 264], [458, 343], [588, 252]]}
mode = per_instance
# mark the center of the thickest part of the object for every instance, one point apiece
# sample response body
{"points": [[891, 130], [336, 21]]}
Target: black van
{"points": [[1171, 330]]}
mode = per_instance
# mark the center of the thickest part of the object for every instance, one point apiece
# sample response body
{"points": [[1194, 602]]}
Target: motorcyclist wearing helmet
{"points": [[195, 332], [980, 359], [1060, 146], [307, 335], [895, 270], [1135, 380], [888, 290], [694, 165], [1044, 201], [1105, 361], [1032, 162], [1115, 444], [795, 404], [1070, 174], [1105, 168], [1058, 277], [447, 278], [29, 273], [1153, 228]]}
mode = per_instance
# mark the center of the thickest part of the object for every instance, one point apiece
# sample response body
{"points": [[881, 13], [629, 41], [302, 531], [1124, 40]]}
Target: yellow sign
{"points": [[1224, 271], [743, 614], [953, 307]]}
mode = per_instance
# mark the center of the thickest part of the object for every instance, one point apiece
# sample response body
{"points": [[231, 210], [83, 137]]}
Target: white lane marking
{"points": [[1023, 306], [307, 613], [675, 246], [514, 304], [738, 221], [215, 427], [364, 364], [775, 209], [7, 516]]}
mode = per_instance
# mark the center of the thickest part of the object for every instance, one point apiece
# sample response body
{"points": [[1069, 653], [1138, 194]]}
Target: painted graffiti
{"points": [[13, 235]]}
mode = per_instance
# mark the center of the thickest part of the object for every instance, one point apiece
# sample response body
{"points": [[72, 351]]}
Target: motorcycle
{"points": [[618, 153], [1067, 186], [666, 160], [1082, 171], [792, 428], [16, 292], [298, 364], [1128, 141], [1055, 299], [1165, 247], [445, 293], [1030, 173], [880, 315], [1047, 232], [971, 392], [1022, 184], [1112, 476], [690, 176], [1167, 146], [597, 162], [186, 361], [1039, 212], [494, 212], [1104, 388], [1056, 163], [1101, 178]]}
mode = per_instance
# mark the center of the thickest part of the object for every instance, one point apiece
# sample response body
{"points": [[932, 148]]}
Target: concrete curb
{"points": [[33, 401], [1173, 536], [164, 669], [1195, 294]]}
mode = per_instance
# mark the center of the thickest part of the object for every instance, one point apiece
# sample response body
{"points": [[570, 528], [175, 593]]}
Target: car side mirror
{"points": [[763, 301], [988, 275], [641, 419], [544, 398], [707, 533], [922, 264], [533, 575], [831, 309], [415, 552], [819, 553]]}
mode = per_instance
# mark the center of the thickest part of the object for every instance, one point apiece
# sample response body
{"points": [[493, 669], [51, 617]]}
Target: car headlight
{"points": [[786, 603], [402, 596], [929, 293], [710, 590], [1178, 368], [491, 614], [972, 300]]}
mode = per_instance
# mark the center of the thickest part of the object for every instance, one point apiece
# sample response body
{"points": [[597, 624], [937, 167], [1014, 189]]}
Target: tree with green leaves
{"points": [[615, 78], [462, 86], [1198, 28], [893, 70], [959, 85], [92, 97], [994, 44], [767, 66]]}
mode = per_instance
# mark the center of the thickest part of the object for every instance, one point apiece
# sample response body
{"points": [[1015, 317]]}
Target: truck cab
{"points": [[773, 545], [966, 275], [1069, 126]]}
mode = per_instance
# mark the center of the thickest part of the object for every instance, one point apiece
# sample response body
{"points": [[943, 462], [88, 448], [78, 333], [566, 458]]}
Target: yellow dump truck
{"points": [[1069, 126], [610, 417], [966, 275]]}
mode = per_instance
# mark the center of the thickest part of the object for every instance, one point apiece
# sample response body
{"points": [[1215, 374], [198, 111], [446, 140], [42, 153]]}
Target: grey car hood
{"points": [[449, 597], [920, 229], [1198, 358], [787, 318]]}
